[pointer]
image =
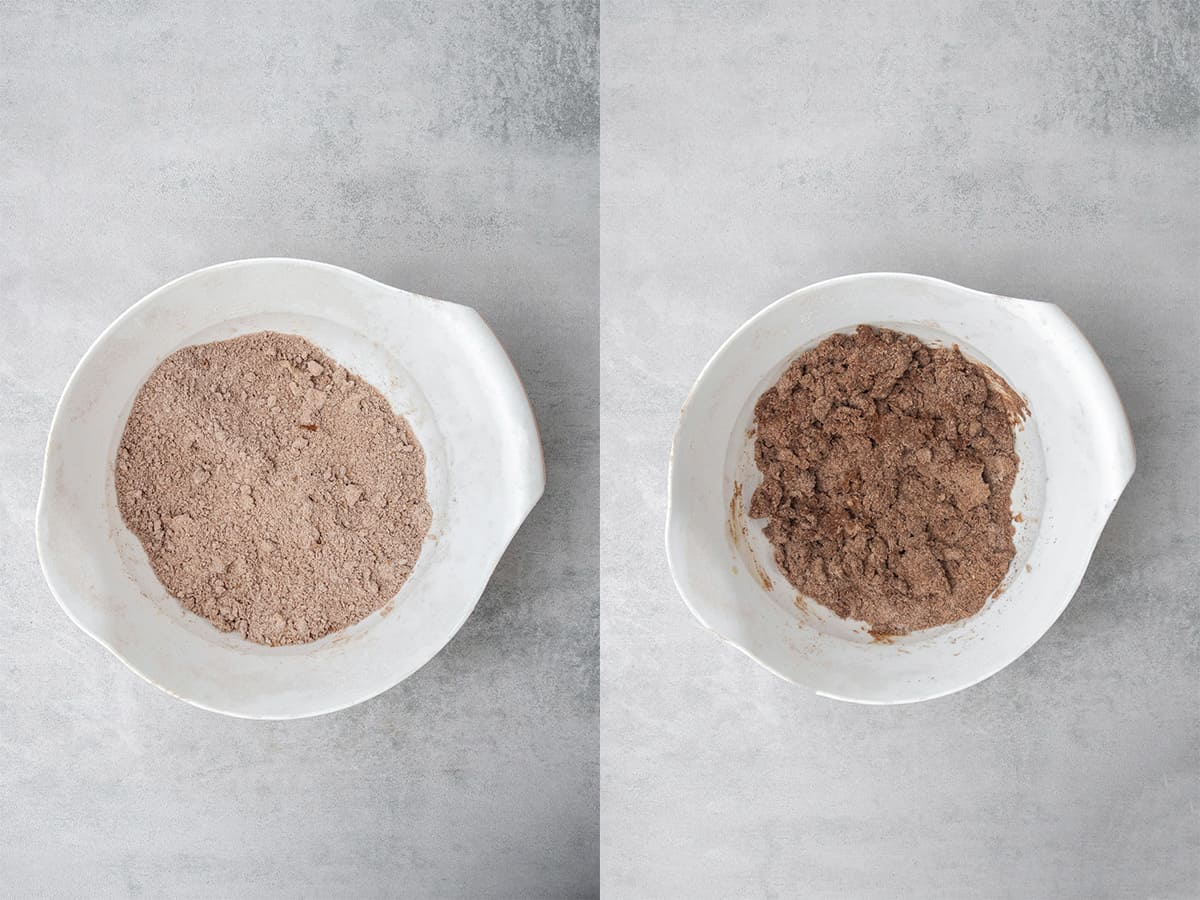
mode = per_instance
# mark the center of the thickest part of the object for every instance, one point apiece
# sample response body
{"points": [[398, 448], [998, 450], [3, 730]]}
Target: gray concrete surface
{"points": [[449, 148], [1045, 150]]}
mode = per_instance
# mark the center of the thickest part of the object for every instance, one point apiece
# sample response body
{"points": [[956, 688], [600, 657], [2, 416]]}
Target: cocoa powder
{"points": [[275, 493], [887, 470]]}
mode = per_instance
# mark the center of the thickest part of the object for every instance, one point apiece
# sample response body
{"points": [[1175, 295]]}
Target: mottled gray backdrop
{"points": [[1037, 149], [1044, 150], [447, 148]]}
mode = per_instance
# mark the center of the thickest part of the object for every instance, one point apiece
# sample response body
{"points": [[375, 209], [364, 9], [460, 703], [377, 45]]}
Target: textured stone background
{"points": [[1039, 150], [448, 148], [1044, 150]]}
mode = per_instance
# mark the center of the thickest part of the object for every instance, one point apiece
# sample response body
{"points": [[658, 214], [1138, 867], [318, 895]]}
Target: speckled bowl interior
{"points": [[1076, 456]]}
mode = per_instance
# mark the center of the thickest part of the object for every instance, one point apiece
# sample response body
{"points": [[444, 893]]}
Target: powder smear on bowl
{"points": [[276, 494], [887, 470]]}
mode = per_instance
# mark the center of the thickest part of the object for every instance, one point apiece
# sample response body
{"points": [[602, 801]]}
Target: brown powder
{"points": [[276, 494], [887, 472]]}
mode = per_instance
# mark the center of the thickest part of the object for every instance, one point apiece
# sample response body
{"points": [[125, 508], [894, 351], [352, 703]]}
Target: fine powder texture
{"points": [[887, 469], [276, 494]]}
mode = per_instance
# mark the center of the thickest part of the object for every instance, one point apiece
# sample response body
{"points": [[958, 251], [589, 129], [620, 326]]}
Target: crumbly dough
{"points": [[888, 467]]}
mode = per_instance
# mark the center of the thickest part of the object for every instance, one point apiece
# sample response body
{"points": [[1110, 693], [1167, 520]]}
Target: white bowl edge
{"points": [[530, 482], [1106, 406]]}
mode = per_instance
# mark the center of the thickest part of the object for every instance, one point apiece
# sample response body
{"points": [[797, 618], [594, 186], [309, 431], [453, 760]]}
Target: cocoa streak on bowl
{"points": [[738, 529], [735, 505]]}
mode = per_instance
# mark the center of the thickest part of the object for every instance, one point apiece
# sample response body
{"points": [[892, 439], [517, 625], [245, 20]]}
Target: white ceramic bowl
{"points": [[1076, 457], [439, 366]]}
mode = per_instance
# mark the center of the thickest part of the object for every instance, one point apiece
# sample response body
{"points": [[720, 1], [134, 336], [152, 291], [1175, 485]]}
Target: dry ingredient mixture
{"points": [[276, 494], [887, 472]]}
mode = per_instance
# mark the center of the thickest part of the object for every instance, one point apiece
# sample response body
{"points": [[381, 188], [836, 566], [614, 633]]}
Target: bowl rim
{"points": [[536, 471], [1112, 408]]}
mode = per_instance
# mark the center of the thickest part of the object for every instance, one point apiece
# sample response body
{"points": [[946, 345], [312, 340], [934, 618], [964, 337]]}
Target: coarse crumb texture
{"points": [[276, 494], [887, 469]]}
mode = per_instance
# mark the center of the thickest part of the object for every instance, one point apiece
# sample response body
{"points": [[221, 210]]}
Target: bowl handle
{"points": [[526, 465], [1110, 434]]}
